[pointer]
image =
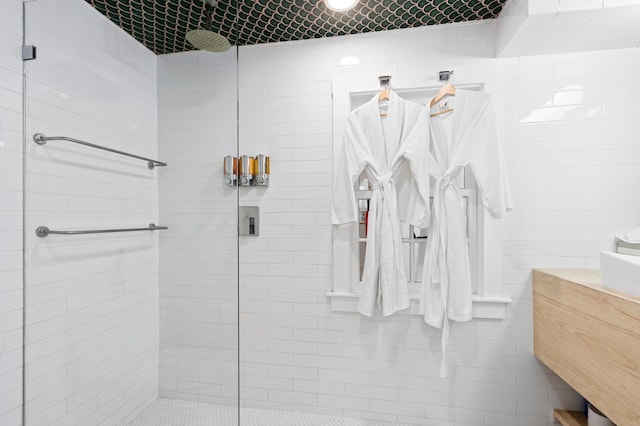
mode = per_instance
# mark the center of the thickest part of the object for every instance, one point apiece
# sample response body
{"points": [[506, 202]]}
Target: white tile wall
{"points": [[555, 6], [512, 16], [538, 27], [197, 112], [92, 301], [10, 213], [570, 132]]}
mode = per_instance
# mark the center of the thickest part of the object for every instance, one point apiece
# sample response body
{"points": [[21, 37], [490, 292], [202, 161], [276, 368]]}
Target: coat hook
{"points": [[384, 80], [445, 76]]}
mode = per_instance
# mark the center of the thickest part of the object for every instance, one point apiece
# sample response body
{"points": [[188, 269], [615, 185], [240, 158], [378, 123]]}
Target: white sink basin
{"points": [[620, 272]]}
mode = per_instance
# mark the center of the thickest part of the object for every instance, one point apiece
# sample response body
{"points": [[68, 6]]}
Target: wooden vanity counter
{"points": [[589, 335]]}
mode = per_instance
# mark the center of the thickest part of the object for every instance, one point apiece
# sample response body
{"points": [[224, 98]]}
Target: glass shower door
{"points": [[288, 337], [198, 254], [135, 318]]}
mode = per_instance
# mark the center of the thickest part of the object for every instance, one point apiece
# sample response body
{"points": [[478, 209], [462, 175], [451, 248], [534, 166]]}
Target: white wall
{"points": [[10, 213], [538, 27], [92, 300], [555, 6], [197, 111], [571, 131]]}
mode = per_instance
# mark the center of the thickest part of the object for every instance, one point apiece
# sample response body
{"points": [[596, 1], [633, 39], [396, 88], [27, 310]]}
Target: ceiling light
{"points": [[340, 5], [349, 60]]}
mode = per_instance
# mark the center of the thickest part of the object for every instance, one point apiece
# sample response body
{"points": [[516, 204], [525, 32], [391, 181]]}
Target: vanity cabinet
{"points": [[589, 336]]}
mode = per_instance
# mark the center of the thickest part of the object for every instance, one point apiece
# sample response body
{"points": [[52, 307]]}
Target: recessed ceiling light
{"points": [[340, 5], [349, 60]]}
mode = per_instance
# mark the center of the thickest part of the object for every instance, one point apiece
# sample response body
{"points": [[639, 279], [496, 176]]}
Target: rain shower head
{"points": [[207, 39]]}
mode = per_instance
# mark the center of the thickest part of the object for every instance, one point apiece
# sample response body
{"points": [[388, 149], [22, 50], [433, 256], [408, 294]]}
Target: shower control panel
{"points": [[247, 171], [249, 223]]}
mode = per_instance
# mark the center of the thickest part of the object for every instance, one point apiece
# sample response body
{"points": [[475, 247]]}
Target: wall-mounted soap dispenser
{"points": [[230, 170], [264, 169], [245, 177], [247, 171]]}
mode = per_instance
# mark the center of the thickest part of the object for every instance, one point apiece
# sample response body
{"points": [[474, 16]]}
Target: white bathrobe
{"points": [[387, 149], [468, 136]]}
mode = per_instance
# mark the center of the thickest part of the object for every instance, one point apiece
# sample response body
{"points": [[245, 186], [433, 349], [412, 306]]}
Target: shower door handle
{"points": [[249, 221]]}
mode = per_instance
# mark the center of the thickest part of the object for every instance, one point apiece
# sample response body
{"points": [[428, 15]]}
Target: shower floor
{"points": [[173, 412]]}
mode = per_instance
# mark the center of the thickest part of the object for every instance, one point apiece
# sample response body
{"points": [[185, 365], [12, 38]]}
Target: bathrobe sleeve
{"points": [[487, 162], [350, 166]]}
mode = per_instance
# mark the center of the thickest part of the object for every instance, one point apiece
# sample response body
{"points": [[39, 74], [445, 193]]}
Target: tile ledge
{"points": [[487, 307]]}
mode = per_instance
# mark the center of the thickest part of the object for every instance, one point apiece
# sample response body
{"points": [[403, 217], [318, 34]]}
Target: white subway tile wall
{"points": [[10, 213], [554, 6], [92, 315], [197, 112], [570, 129]]}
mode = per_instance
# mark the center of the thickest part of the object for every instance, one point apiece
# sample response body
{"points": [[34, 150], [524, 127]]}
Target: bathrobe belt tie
{"points": [[384, 219], [436, 256]]}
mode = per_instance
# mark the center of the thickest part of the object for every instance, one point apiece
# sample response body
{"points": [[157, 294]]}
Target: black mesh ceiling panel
{"points": [[161, 25]]}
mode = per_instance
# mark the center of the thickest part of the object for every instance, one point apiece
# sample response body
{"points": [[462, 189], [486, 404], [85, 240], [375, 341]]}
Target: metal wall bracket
{"points": [[445, 75], [384, 80], [28, 52]]}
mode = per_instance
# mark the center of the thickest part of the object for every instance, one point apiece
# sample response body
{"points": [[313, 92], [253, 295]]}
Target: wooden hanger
{"points": [[445, 90], [385, 93]]}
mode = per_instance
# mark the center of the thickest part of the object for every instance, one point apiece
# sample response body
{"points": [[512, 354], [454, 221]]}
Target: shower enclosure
{"points": [[207, 321], [114, 320]]}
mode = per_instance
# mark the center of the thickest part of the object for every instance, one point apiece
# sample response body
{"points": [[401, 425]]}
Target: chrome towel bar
{"points": [[41, 139], [43, 231]]}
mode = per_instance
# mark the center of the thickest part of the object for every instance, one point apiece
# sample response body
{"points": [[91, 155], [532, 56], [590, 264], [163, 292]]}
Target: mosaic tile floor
{"points": [[173, 412]]}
